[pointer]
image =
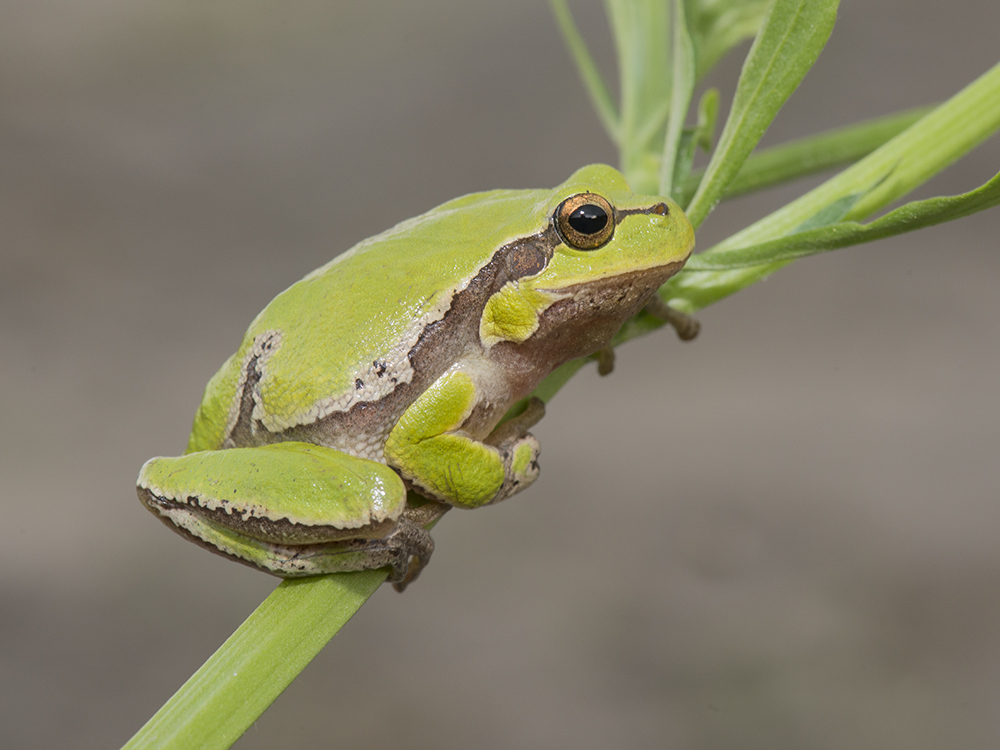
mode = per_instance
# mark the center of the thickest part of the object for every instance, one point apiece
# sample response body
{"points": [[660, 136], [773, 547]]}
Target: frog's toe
{"points": [[520, 466], [524, 460]]}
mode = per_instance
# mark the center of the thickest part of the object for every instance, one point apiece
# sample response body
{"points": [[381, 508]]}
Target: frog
{"points": [[377, 393]]}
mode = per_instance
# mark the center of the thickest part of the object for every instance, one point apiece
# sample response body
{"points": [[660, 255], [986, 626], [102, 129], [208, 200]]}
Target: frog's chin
{"points": [[587, 316]]}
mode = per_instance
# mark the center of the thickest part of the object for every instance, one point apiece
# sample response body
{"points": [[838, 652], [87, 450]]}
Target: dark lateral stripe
{"points": [[528, 256], [524, 256]]}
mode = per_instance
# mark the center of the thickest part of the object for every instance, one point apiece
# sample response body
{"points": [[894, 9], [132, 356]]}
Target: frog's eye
{"points": [[585, 221]]}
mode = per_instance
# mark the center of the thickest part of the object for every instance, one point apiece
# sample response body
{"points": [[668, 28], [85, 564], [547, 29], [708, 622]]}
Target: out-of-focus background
{"points": [[783, 535]]}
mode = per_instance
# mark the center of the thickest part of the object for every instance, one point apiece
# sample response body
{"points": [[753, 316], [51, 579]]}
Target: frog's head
{"points": [[604, 251], [606, 231]]}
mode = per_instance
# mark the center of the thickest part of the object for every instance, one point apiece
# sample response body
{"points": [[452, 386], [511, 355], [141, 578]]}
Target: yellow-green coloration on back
{"points": [[390, 367]]}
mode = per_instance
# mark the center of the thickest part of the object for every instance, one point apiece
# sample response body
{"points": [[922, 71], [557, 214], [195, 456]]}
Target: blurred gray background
{"points": [[783, 535]]}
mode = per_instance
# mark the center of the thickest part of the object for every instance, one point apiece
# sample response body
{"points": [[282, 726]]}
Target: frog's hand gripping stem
{"points": [[432, 452]]}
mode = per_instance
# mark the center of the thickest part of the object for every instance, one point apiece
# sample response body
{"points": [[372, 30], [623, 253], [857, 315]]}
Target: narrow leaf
{"points": [[902, 164], [912, 216], [816, 153], [701, 136], [592, 80], [719, 25], [641, 32], [680, 99], [791, 37]]}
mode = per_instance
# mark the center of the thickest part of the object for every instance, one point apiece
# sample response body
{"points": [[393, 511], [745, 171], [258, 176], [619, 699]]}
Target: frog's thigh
{"points": [[290, 508], [448, 465]]}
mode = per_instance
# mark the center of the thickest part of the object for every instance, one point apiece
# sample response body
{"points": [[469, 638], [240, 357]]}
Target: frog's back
{"points": [[343, 335]]}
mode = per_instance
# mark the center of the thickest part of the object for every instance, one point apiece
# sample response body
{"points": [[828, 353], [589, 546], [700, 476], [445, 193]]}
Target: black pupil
{"points": [[589, 219]]}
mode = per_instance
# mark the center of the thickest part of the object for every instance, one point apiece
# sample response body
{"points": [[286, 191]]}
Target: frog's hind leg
{"points": [[292, 509], [406, 549]]}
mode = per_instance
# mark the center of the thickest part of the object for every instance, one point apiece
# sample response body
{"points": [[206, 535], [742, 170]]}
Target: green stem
{"points": [[592, 80], [243, 677]]}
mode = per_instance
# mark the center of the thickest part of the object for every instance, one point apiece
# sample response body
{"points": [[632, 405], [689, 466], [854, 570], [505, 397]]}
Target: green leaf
{"points": [[239, 681], [912, 216], [816, 153], [640, 29], [830, 214], [904, 163], [680, 99], [791, 37], [700, 136], [719, 25], [592, 80], [900, 165], [708, 114]]}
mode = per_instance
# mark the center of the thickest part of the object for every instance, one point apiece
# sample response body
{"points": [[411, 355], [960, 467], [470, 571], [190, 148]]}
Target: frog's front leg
{"points": [[430, 449]]}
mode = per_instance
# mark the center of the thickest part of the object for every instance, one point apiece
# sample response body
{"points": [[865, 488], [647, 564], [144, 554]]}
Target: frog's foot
{"points": [[687, 326], [519, 449], [520, 463], [417, 542], [406, 550], [605, 360]]}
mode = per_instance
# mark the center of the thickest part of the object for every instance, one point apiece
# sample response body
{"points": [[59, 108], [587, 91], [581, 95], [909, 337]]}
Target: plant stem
{"points": [[256, 663]]}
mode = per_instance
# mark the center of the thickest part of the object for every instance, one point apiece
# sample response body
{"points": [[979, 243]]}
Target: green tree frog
{"points": [[385, 374]]}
